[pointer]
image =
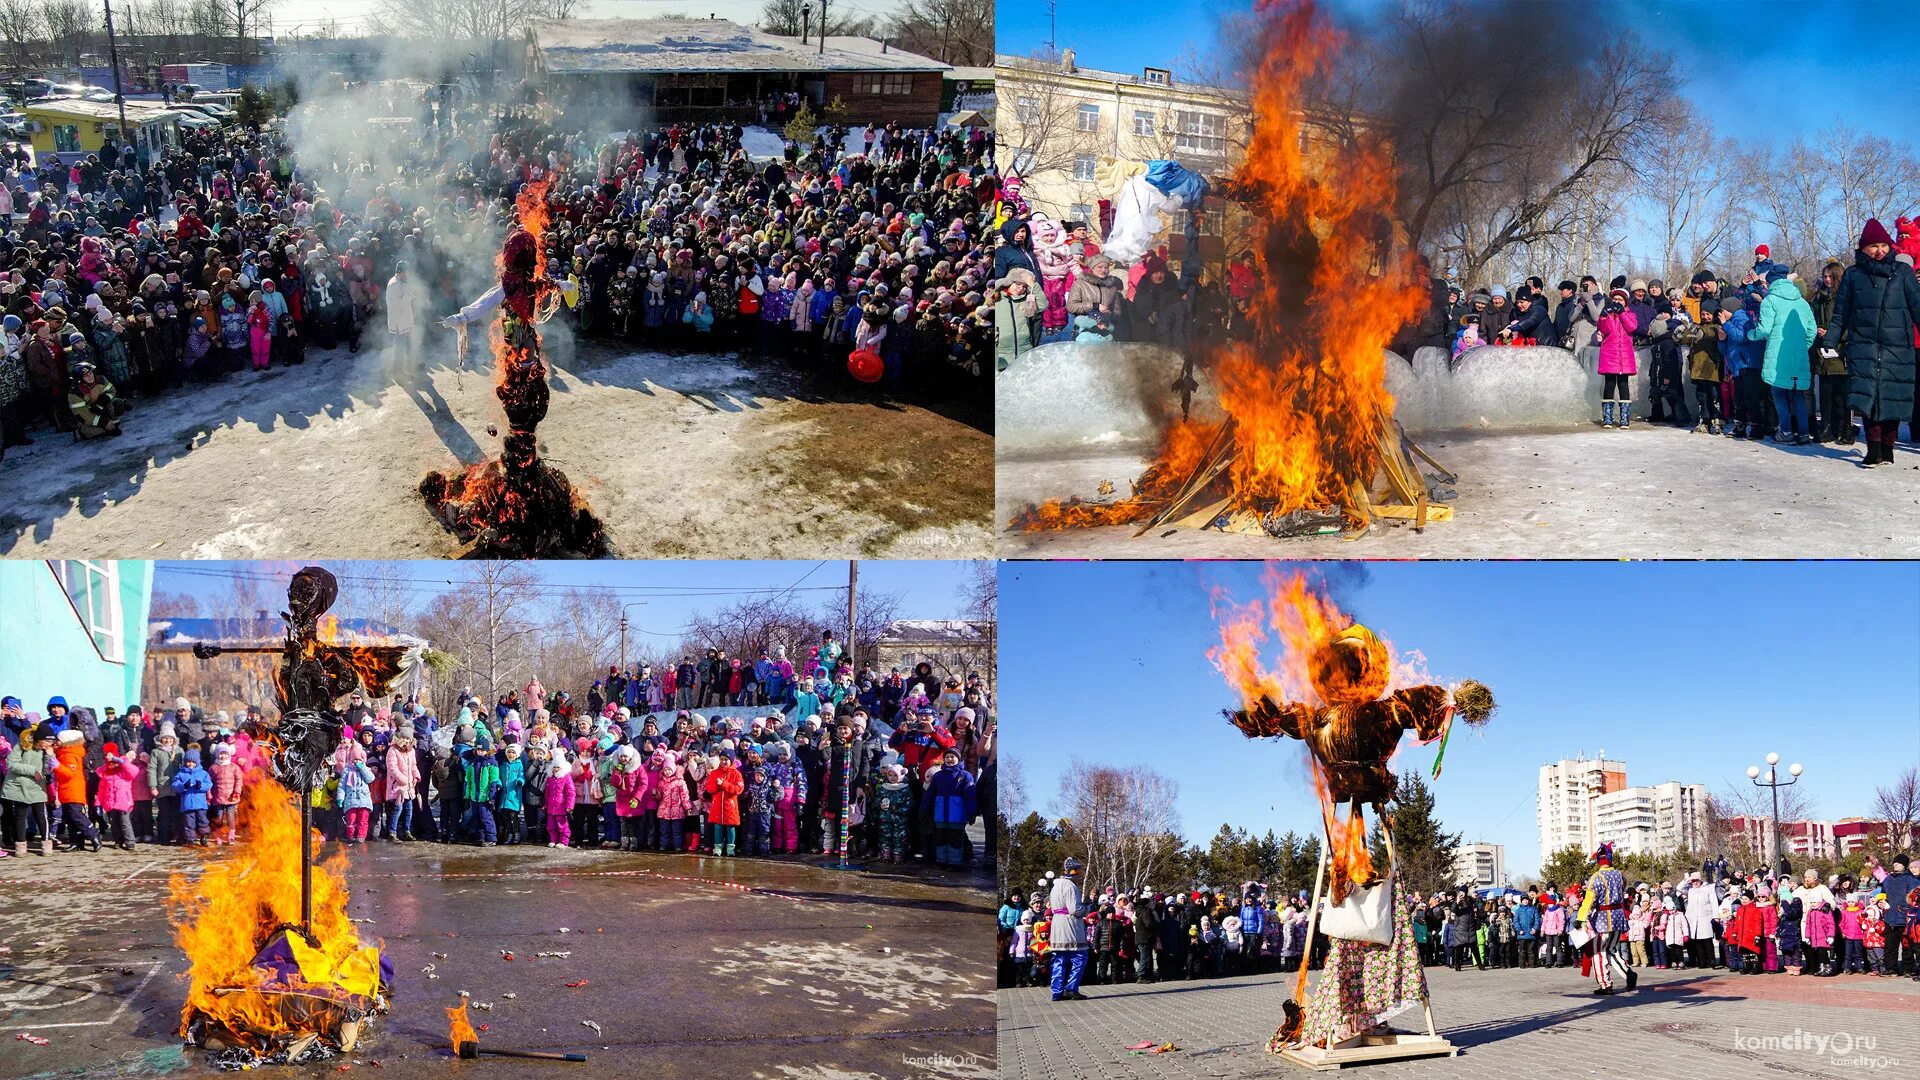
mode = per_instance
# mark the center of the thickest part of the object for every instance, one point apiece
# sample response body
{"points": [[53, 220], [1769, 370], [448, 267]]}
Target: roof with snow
{"points": [[181, 633], [933, 632], [618, 46]]}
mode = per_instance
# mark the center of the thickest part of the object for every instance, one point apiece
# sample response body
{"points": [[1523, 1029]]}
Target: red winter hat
{"points": [[1874, 233], [1763, 251], [112, 748]]}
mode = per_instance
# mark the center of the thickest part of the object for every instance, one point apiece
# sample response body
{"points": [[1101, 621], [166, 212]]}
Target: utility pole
{"points": [[823, 27], [1052, 50], [113, 54], [623, 632], [853, 585], [806, 20]]}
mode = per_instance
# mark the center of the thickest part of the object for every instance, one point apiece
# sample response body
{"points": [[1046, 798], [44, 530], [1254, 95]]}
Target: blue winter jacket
{"points": [[1526, 921], [951, 790], [1738, 351], [513, 782], [193, 784], [1253, 918]]}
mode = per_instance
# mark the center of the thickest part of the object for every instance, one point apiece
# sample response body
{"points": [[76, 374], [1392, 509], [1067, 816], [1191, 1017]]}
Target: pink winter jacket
{"points": [[116, 784], [1616, 345], [675, 801], [1553, 921], [560, 792], [227, 779], [403, 774], [651, 800], [1820, 928], [630, 788]]}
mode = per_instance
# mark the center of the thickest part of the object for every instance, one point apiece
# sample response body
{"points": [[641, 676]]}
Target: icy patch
{"points": [[1069, 395], [1498, 388], [922, 978]]}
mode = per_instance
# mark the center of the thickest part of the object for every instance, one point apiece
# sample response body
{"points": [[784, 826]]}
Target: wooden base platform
{"points": [[1367, 1049]]}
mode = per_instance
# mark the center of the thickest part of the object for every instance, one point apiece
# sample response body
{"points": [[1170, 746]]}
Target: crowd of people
{"points": [[1772, 356], [1748, 922], [233, 253], [858, 765]]}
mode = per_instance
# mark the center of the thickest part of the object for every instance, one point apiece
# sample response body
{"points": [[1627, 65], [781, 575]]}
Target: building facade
{"points": [[1075, 136], [624, 73], [74, 628], [1481, 865], [236, 680], [1655, 820], [954, 647], [1563, 805]]}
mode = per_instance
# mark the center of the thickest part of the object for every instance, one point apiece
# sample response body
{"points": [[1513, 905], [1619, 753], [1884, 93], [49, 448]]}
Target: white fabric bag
{"points": [[1365, 915]]}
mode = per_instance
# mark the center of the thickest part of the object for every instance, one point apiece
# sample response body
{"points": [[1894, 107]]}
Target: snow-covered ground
{"points": [[765, 143], [681, 456], [1583, 492]]}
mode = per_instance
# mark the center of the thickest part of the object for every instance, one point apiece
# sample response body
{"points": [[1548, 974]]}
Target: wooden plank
{"points": [[1370, 1048], [1434, 512], [1204, 516]]}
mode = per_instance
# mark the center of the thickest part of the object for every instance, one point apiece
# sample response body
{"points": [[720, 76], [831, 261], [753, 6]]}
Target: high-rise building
{"points": [[1652, 820], [1480, 864], [1564, 804]]}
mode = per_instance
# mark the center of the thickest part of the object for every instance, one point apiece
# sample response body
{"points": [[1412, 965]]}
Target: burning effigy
{"points": [[1340, 689], [277, 971], [515, 505], [1307, 435]]}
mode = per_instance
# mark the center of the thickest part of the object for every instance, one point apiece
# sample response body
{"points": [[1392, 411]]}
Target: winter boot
{"points": [[1626, 414], [1606, 414]]}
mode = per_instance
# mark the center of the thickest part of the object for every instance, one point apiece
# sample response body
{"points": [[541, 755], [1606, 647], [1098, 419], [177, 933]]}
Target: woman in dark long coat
{"points": [[1874, 316]]}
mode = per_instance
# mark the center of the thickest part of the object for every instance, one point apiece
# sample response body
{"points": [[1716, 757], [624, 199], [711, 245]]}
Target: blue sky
{"points": [[1768, 69], [1685, 671], [673, 590]]}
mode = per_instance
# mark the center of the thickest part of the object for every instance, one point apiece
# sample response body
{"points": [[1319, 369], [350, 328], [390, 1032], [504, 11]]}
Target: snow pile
{"points": [[1498, 388], [1068, 395], [764, 144]]}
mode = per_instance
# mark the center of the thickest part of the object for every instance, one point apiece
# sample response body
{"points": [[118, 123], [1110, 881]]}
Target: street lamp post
{"points": [[623, 632], [1774, 784]]}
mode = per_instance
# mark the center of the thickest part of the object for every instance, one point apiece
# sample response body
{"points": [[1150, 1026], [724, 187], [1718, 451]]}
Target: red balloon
{"points": [[866, 366]]}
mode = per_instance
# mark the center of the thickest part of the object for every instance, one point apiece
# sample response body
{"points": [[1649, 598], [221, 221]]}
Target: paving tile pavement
{"points": [[1677, 1026]]}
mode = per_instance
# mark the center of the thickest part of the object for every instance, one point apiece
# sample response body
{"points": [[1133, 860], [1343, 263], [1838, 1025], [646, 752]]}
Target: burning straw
{"points": [[258, 990], [1304, 390]]}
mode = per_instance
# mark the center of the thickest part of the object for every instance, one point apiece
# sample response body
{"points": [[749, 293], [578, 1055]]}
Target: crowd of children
{"points": [[900, 781], [1746, 923]]}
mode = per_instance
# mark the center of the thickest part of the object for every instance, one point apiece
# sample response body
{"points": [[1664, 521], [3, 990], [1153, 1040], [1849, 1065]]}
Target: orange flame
{"points": [[223, 917], [1304, 390], [459, 1030]]}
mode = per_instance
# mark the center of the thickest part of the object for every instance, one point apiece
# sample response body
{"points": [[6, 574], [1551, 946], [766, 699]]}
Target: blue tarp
{"points": [[1178, 181]]}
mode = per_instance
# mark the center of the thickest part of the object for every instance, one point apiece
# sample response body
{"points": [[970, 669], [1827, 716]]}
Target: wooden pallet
{"points": [[1367, 1049]]}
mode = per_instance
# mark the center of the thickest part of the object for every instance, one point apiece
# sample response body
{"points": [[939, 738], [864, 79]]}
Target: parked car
{"points": [[13, 125]]}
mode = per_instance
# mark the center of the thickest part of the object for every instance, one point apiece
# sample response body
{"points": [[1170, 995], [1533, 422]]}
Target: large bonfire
{"points": [[258, 988], [1303, 389], [517, 505]]}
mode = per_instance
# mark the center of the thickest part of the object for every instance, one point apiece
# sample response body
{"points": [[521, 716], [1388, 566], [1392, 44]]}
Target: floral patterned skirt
{"points": [[1363, 984]]}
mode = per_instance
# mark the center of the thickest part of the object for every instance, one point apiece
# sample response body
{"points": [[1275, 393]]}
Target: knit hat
{"points": [[1763, 251], [166, 730], [111, 748], [182, 704], [193, 756], [1639, 284], [1874, 233]]}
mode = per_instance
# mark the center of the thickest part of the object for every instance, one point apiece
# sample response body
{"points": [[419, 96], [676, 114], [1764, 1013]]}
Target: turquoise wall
{"points": [[45, 648]]}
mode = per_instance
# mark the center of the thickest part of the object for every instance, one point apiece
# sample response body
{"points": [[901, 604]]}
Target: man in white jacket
{"points": [[402, 315]]}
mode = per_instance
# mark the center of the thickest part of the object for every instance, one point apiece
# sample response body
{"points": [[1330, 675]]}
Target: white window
{"points": [[1159, 76], [1143, 122], [1200, 133], [1080, 212], [1084, 166], [94, 590], [1088, 117], [1020, 162], [1027, 109]]}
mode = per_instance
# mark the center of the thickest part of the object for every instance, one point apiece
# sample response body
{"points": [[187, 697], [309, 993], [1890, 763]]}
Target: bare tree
{"points": [[957, 32], [172, 605], [70, 26], [1791, 198], [1122, 818], [486, 626], [784, 17], [21, 29], [1898, 804], [1696, 198], [983, 607], [382, 591], [1872, 178], [459, 20], [581, 635], [1039, 125], [1749, 801]]}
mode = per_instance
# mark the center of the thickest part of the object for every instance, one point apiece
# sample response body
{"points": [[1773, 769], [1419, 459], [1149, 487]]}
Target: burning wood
{"points": [[465, 1042], [1308, 434], [516, 505]]}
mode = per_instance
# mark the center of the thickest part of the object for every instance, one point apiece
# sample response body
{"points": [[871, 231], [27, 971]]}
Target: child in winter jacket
{"points": [[513, 783], [482, 788], [791, 779], [1820, 939], [723, 786], [893, 805], [676, 803], [1873, 935], [192, 785], [629, 780], [163, 761], [761, 796], [115, 798], [951, 792], [1854, 959], [225, 800], [559, 797], [70, 790], [403, 784], [354, 792]]}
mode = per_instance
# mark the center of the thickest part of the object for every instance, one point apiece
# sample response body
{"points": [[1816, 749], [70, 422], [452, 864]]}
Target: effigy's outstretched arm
{"points": [[1423, 710], [1266, 719]]}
